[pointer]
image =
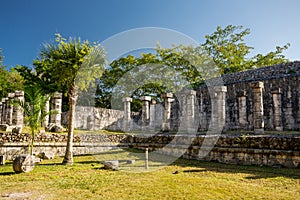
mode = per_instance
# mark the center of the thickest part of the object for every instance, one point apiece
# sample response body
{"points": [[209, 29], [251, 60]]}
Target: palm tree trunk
{"points": [[73, 95], [31, 143]]}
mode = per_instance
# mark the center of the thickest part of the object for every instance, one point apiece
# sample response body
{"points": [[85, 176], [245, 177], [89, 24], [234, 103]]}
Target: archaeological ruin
{"points": [[251, 117]]}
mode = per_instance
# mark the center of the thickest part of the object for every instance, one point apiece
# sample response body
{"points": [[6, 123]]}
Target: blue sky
{"points": [[25, 25]]}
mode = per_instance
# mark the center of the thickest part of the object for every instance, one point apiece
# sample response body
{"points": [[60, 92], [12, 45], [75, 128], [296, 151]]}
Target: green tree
{"points": [[229, 51], [223, 52], [10, 80], [191, 65], [74, 65], [117, 69]]}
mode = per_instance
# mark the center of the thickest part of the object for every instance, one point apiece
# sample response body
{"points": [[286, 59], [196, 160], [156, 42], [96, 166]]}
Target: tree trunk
{"points": [[73, 95]]}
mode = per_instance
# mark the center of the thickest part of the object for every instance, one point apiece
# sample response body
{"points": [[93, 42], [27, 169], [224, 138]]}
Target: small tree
{"points": [[34, 111]]}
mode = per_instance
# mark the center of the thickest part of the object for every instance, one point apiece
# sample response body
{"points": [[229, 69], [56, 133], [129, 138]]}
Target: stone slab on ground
{"points": [[130, 161], [111, 164]]}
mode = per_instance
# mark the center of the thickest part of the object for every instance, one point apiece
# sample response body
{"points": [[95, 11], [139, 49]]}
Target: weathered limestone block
{"points": [[277, 115], [54, 128], [127, 113], [218, 115], [111, 164], [47, 155], [152, 116], [56, 105], [17, 129], [0, 112], [145, 110], [18, 113], [190, 116], [258, 111], [4, 109], [10, 107], [46, 110], [288, 111], [168, 99], [130, 161], [242, 104]]}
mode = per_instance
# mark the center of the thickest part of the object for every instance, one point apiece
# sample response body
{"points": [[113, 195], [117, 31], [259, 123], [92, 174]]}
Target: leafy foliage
{"points": [[229, 52], [10, 80], [34, 109], [73, 65], [166, 70], [223, 52]]}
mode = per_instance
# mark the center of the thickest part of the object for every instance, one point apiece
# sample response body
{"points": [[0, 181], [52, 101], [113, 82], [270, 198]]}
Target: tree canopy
{"points": [[230, 53], [10, 80], [223, 52]]}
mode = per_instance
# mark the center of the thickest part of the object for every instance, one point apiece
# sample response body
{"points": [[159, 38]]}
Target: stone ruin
{"points": [[12, 117], [256, 100]]}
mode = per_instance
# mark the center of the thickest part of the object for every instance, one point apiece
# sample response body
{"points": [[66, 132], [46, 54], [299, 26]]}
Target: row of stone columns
{"points": [[258, 113], [14, 115], [188, 122], [218, 109]]}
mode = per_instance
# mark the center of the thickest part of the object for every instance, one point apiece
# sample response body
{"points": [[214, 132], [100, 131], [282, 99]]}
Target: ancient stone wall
{"points": [[262, 99], [234, 149], [280, 96], [91, 118]]}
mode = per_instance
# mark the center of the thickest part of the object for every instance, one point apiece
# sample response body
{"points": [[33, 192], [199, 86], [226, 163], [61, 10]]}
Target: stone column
{"points": [[3, 111], [18, 112], [258, 111], [242, 100], [145, 110], [289, 118], [298, 114], [166, 126], [277, 115], [152, 123], [10, 107], [46, 110], [56, 104], [190, 111], [127, 113], [218, 115]]}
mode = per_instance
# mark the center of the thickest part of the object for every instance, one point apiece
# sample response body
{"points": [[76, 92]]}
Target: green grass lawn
{"points": [[86, 179]]}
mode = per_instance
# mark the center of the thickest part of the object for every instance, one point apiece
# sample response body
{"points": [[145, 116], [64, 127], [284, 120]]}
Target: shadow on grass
{"points": [[255, 172], [50, 164], [7, 173], [194, 166]]}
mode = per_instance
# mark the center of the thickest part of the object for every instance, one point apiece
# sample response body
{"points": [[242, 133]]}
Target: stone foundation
{"points": [[259, 150]]}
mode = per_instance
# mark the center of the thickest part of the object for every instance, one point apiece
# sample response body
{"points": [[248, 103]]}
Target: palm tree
{"points": [[34, 111], [73, 65], [33, 108]]}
